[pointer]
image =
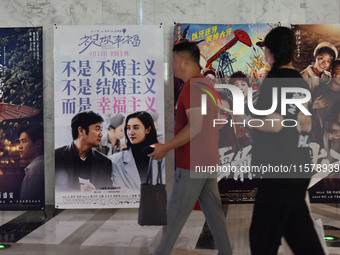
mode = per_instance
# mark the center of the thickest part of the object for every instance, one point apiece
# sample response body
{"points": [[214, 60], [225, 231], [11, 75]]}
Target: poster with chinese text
{"points": [[109, 109], [316, 59], [229, 50], [22, 183]]}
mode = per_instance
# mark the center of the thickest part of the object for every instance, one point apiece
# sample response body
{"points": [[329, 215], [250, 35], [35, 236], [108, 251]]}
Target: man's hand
{"points": [[160, 151]]}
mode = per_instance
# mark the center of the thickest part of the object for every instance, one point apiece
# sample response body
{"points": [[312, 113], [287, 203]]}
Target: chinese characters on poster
{"points": [[22, 185], [113, 71], [317, 58], [230, 51]]}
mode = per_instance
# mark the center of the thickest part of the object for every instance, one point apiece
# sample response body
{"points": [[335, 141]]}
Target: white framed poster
{"points": [[108, 81]]}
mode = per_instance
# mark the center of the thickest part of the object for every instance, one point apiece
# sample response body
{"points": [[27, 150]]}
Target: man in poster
{"points": [[21, 94], [112, 78], [31, 148], [78, 166]]}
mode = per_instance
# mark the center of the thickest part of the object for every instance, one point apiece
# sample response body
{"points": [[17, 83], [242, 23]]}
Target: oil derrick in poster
{"points": [[317, 58], [227, 50], [223, 56]]}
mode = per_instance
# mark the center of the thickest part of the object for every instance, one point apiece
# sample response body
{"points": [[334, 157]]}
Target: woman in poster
{"points": [[280, 209], [130, 166], [324, 55], [240, 80]]}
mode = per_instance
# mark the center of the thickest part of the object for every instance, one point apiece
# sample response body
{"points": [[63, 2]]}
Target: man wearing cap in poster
{"points": [[324, 55], [110, 143]]}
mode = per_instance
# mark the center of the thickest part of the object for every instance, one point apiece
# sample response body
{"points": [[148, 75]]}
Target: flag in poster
{"points": [[109, 108], [230, 51], [317, 58], [22, 185]]}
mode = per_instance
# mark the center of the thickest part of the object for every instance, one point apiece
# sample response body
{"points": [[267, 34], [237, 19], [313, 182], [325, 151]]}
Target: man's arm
{"points": [[190, 130]]}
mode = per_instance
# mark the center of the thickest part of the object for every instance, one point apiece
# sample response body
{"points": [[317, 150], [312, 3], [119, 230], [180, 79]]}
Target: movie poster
{"points": [[230, 51], [22, 185], [109, 107], [317, 59]]}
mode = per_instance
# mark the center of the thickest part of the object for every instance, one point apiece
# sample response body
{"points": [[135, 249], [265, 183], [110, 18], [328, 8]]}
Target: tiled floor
{"points": [[109, 231]]}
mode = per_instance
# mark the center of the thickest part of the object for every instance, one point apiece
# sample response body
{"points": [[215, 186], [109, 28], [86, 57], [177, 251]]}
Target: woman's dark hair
{"points": [[209, 71], [239, 76], [147, 121], [281, 42]]}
